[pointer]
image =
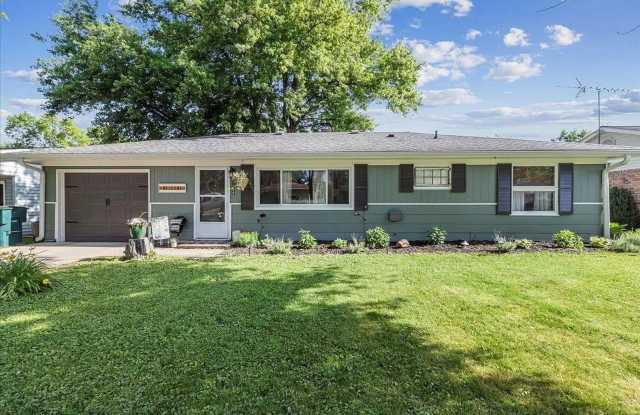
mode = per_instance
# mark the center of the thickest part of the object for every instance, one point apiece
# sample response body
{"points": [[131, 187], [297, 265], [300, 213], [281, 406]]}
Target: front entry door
{"points": [[211, 207]]}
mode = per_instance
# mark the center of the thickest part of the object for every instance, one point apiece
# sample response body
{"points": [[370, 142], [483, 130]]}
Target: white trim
{"points": [[432, 187], [534, 213], [196, 204], [59, 229], [4, 193], [173, 203], [235, 203], [553, 189], [433, 204], [281, 206], [606, 214], [588, 203], [49, 203]]}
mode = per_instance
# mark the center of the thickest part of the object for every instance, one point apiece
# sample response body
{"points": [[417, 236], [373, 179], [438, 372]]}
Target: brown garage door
{"points": [[98, 205]]}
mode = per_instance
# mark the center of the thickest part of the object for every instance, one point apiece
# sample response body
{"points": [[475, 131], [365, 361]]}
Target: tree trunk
{"points": [[138, 248]]}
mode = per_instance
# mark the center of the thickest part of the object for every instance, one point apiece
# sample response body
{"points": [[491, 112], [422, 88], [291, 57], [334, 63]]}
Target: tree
{"points": [[623, 207], [193, 67], [29, 131], [573, 135]]}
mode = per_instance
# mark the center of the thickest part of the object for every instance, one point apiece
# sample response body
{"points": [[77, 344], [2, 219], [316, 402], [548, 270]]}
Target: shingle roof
{"points": [[332, 143]]}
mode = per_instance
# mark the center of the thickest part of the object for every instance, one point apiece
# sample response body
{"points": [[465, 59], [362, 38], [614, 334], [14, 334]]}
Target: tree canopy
{"points": [[573, 135], [190, 67], [29, 131]]}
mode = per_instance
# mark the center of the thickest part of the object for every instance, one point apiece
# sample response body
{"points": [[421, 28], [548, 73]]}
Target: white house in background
{"points": [[20, 186], [617, 135]]}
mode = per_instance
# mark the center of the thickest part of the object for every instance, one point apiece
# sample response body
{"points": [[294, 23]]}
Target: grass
{"points": [[442, 333]]}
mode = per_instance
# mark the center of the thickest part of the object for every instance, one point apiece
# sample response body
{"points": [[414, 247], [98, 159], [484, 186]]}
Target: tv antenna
{"points": [[584, 89]]}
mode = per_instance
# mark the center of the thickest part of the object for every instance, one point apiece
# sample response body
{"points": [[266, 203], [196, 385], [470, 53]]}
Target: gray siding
{"points": [[8, 190], [23, 185]]}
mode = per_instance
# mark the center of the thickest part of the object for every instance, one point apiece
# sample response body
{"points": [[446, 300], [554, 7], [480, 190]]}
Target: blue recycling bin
{"points": [[5, 225], [18, 217]]}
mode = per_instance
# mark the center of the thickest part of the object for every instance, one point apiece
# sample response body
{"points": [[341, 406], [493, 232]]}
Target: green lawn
{"points": [[449, 333]]}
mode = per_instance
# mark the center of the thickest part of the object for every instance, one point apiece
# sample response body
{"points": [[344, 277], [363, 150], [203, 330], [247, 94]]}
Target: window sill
{"points": [[535, 214], [303, 207], [431, 188]]}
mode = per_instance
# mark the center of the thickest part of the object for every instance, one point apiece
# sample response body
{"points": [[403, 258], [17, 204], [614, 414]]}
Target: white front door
{"points": [[212, 207]]}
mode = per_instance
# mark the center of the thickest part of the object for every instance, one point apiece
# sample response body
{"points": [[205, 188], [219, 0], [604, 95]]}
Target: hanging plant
{"points": [[239, 180]]}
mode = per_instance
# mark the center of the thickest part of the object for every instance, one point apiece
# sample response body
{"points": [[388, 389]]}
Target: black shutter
{"points": [[503, 173], [458, 178], [565, 188], [361, 187], [246, 197], [406, 178]]}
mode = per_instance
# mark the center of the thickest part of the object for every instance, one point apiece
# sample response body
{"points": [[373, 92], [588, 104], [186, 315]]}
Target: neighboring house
{"points": [[627, 176], [20, 186], [332, 184]]}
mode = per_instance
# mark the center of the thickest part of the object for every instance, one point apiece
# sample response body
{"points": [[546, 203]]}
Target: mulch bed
{"points": [[415, 248]]}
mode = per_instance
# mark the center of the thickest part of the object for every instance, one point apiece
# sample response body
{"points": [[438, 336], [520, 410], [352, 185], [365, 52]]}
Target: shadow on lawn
{"points": [[214, 337]]}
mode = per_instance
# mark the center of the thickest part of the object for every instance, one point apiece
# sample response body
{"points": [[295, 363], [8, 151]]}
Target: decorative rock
{"points": [[464, 244], [403, 243], [138, 248]]}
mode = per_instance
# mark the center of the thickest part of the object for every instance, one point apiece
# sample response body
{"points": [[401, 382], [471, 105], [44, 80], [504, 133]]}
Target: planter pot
{"points": [[138, 232]]}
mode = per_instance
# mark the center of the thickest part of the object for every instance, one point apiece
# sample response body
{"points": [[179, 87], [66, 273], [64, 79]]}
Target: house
{"points": [[20, 186], [628, 176], [333, 184]]}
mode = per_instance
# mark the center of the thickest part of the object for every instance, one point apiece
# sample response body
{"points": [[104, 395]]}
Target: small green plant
{"points": [[265, 242], [627, 242], [279, 246], [437, 236], [524, 244], [248, 240], [568, 239], [339, 243], [22, 273], [506, 246], [616, 229], [356, 246], [306, 240], [377, 238], [599, 242]]}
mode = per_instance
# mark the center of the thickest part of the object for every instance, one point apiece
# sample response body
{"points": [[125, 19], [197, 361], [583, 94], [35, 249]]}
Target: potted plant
{"points": [[138, 227]]}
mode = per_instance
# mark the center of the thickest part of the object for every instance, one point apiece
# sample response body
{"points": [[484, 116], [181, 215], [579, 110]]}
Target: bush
{"points": [[627, 242], [568, 239], [524, 243], [265, 242], [279, 246], [506, 246], [306, 240], [623, 207], [356, 246], [248, 240], [339, 243], [377, 238], [599, 242], [616, 229], [21, 273], [437, 236]]}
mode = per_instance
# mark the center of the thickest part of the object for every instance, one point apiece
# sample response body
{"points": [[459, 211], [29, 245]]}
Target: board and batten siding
{"points": [[471, 215], [162, 204]]}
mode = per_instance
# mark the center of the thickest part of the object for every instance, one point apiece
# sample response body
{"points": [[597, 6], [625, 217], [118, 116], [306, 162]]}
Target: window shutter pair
{"points": [[458, 178], [246, 196]]}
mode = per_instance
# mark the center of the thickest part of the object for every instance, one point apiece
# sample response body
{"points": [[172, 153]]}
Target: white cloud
{"points": [[24, 103], [513, 69], [383, 29], [544, 45], [4, 113], [562, 35], [459, 7], [29, 75], [473, 34], [516, 37], [452, 96], [444, 59], [415, 24], [626, 103]]}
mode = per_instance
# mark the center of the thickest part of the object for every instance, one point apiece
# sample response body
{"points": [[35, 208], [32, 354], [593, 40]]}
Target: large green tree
{"points": [[573, 135], [29, 131], [189, 67]]}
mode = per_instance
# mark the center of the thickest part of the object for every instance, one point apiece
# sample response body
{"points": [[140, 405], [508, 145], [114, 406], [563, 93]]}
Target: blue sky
{"points": [[489, 68]]}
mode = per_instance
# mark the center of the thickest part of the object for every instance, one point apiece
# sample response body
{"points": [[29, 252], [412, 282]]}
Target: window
{"points": [[2, 201], [432, 177], [534, 189], [304, 187]]}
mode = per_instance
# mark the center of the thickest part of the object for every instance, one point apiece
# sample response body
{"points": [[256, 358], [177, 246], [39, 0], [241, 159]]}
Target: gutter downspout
{"points": [[606, 212], [40, 170]]}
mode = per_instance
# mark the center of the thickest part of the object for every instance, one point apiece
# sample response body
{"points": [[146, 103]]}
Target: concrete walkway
{"points": [[58, 254]]}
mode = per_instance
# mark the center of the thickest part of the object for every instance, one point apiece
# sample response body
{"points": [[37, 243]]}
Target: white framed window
{"points": [[302, 188], [432, 178], [2, 193], [534, 190]]}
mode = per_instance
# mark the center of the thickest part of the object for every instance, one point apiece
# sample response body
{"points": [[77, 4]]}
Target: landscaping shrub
{"points": [[506, 246], [616, 229], [627, 242], [599, 242], [437, 236], [306, 240], [623, 207], [279, 246], [524, 243], [568, 239], [266, 242], [21, 273], [248, 240], [339, 243], [356, 246], [377, 238]]}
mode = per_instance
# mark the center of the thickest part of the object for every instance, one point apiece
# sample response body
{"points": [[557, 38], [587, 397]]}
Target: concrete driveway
{"points": [[58, 254]]}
